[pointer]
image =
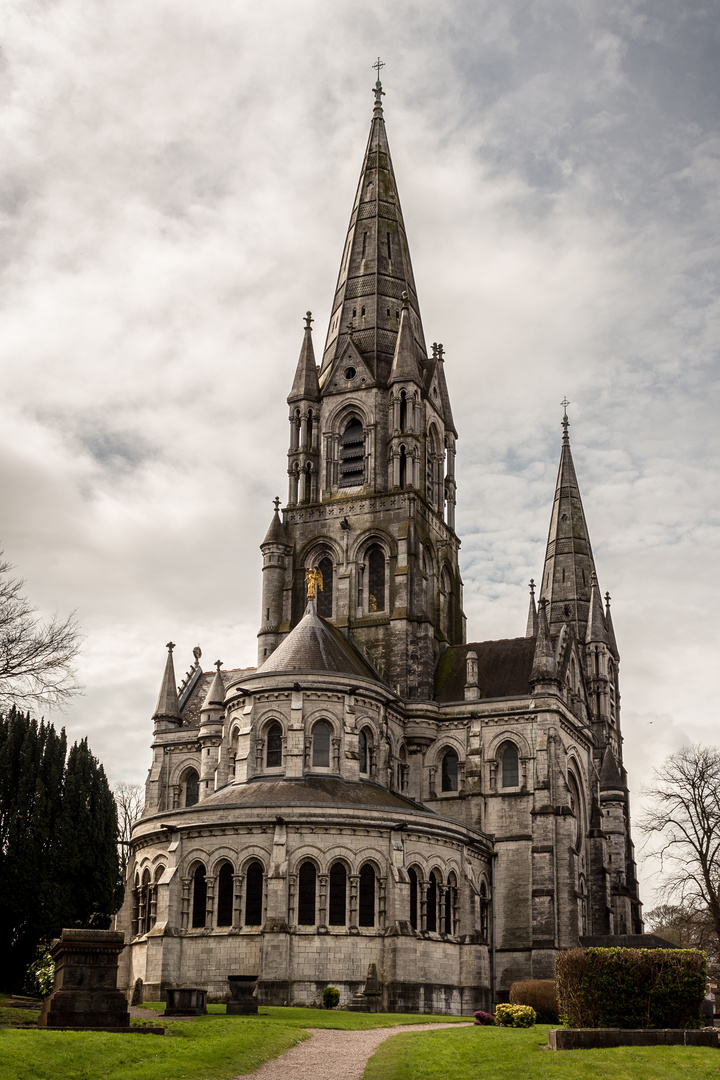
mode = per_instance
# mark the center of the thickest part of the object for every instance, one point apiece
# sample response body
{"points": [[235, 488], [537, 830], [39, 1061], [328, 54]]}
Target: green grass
{"points": [[212, 1047], [489, 1053], [10, 1015], [326, 1018]]}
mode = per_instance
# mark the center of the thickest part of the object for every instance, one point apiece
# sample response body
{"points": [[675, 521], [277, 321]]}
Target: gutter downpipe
{"points": [[493, 965]]}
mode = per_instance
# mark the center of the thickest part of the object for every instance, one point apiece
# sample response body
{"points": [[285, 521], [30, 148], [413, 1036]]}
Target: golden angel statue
{"points": [[313, 580]]}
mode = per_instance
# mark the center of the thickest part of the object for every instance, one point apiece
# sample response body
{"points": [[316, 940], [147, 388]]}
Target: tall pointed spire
{"points": [[596, 629], [569, 564], [305, 385], [610, 628], [532, 622], [168, 706], [375, 268]]}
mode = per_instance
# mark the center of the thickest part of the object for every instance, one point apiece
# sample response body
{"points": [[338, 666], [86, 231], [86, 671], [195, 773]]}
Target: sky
{"points": [[176, 180]]}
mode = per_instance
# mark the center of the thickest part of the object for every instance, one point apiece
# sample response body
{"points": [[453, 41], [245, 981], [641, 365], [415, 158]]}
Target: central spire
{"points": [[375, 269]]}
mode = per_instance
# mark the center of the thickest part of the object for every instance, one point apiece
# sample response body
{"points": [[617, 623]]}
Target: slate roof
{"points": [[315, 645], [503, 669], [190, 712], [312, 791]]}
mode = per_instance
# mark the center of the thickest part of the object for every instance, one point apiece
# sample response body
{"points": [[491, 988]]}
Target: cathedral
{"points": [[378, 789]]}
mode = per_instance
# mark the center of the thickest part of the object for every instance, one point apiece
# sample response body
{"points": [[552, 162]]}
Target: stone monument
{"points": [[85, 994]]}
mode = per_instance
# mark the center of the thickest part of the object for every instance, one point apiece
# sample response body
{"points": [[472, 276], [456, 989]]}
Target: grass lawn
{"points": [[490, 1053], [212, 1047]]}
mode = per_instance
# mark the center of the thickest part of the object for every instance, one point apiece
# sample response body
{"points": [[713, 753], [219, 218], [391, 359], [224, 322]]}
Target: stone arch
{"points": [[508, 756]]}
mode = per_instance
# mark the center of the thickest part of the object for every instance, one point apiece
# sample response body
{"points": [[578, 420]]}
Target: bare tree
{"points": [[130, 800], [36, 658], [683, 926], [682, 824]]}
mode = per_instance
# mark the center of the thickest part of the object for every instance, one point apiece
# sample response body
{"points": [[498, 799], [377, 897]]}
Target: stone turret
{"points": [[212, 715], [303, 399], [167, 710], [276, 549]]}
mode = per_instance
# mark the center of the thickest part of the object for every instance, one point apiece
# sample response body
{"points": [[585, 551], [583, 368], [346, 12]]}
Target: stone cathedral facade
{"points": [[379, 789]]}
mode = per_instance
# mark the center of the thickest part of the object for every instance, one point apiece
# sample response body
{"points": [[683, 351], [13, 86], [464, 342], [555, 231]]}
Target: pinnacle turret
{"points": [[569, 565], [305, 385], [612, 644], [596, 629], [405, 366], [215, 697], [544, 667], [532, 621], [276, 534], [168, 705]]}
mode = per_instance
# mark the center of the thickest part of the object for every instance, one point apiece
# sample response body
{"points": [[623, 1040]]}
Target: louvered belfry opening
{"points": [[352, 455]]}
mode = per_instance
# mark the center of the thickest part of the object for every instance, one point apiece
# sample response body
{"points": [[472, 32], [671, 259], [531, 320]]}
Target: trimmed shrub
{"points": [[483, 1017], [541, 995], [632, 988], [331, 997], [519, 1016]]}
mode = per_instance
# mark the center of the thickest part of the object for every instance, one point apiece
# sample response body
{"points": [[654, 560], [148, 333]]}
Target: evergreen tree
{"points": [[43, 884]]}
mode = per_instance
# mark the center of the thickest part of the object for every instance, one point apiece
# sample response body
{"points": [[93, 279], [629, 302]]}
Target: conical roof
{"points": [[544, 667], [596, 629], [276, 534], [532, 620], [315, 645], [305, 385], [215, 697], [610, 779], [375, 269], [569, 564], [168, 706]]}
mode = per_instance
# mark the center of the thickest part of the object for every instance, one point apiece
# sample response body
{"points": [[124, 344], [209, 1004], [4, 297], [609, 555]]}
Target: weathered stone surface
{"points": [[242, 1002], [186, 1001], [85, 993], [604, 1038]]}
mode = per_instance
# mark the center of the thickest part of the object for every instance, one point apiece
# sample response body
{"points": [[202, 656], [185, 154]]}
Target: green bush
{"points": [[632, 988], [519, 1016], [40, 976], [331, 997], [541, 995]]}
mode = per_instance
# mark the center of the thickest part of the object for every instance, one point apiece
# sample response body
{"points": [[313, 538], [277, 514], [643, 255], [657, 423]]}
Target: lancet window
{"points": [[324, 596], [254, 894], [510, 766], [307, 887], [225, 895], [321, 745], [199, 893], [338, 895], [274, 747], [449, 771], [366, 906]]}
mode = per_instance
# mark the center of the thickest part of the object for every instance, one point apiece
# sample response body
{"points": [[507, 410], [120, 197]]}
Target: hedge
{"points": [[519, 1016], [541, 995], [631, 988]]}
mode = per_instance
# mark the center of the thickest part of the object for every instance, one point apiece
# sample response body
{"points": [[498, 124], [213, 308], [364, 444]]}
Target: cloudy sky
{"points": [[175, 184]]}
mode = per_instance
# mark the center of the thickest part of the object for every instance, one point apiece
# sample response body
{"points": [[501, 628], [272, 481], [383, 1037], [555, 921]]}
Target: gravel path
{"points": [[333, 1055]]}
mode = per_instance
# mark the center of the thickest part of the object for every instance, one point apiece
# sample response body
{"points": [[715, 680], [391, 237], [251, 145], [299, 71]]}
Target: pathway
{"points": [[333, 1055]]}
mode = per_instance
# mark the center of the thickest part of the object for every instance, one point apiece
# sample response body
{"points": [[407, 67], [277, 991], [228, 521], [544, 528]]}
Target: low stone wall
{"points": [[605, 1038]]}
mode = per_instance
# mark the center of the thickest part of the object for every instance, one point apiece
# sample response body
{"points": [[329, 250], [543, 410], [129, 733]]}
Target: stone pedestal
{"points": [[186, 1001], [85, 994], [242, 1002]]}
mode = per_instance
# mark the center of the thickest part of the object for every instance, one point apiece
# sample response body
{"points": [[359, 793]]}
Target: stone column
{"points": [[185, 909], [238, 880], [322, 900], [354, 883]]}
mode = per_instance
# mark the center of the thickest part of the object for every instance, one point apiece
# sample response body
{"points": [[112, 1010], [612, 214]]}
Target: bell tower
{"points": [[371, 492]]}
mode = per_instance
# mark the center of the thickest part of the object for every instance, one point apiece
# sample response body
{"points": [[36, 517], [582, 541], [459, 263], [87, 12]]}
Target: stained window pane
{"points": [[450, 771], [253, 894], [225, 895], [324, 598], [274, 747], [432, 903], [192, 788], [306, 894], [510, 770], [321, 745], [376, 578], [338, 895], [366, 906], [413, 898], [199, 896], [363, 751]]}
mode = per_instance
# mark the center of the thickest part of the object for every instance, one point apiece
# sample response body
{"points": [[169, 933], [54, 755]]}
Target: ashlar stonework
{"points": [[379, 790]]}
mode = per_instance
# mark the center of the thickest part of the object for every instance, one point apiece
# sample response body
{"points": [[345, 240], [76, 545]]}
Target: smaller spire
{"points": [[612, 643], [610, 779], [215, 697], [532, 622], [596, 630], [276, 534], [168, 706], [544, 667], [405, 367], [305, 385]]}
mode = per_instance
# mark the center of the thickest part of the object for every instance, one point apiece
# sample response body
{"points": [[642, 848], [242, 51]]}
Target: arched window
{"points": [[510, 766], [307, 881], [144, 924], [432, 903], [352, 455], [199, 896], [254, 894], [450, 771], [324, 597], [484, 912], [136, 907], [273, 752], [446, 599], [310, 429], [402, 479], [451, 905], [192, 787], [225, 895], [403, 410], [321, 745], [430, 470], [363, 752], [413, 898], [376, 578], [338, 895], [577, 809], [159, 871], [366, 904]]}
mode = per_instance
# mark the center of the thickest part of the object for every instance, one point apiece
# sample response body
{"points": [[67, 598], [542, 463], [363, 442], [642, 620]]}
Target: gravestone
{"points": [[373, 990], [186, 1001], [85, 994], [137, 994], [242, 1002]]}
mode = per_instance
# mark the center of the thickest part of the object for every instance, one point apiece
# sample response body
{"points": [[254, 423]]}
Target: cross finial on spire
{"points": [[377, 89], [440, 350], [434, 349], [276, 502], [218, 665], [308, 320], [531, 586], [607, 600], [565, 422], [170, 646]]}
